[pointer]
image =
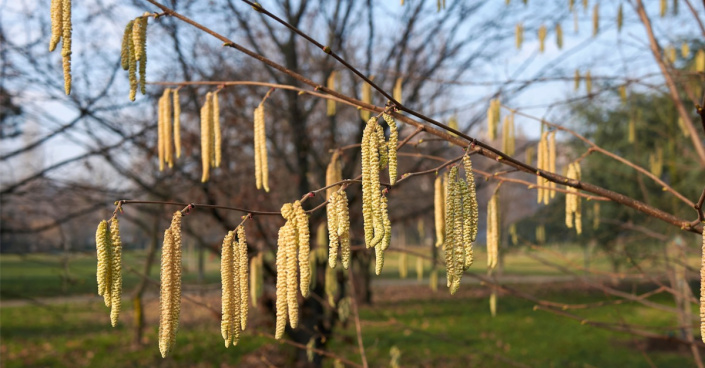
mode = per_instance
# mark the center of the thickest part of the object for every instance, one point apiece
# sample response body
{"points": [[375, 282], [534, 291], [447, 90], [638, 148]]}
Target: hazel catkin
{"points": [[116, 271]]}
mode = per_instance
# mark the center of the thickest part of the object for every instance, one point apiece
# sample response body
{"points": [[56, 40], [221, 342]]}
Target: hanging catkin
{"points": [[392, 147], [493, 118], [439, 210], [261, 163], [623, 93], [573, 213], [552, 161], [217, 134], [702, 289], [366, 98], [492, 233], [543, 165], [663, 8], [331, 286], [127, 42], [56, 23], [160, 132], [230, 306], [559, 36], [519, 35], [244, 275], [595, 19], [139, 34], [588, 83], [167, 129], [104, 268], [304, 247], [330, 104], [256, 277], [116, 271], [620, 18], [343, 216], [170, 292], [576, 80], [685, 50], [700, 61], [177, 123], [542, 38], [396, 93], [470, 212], [508, 138], [281, 284], [131, 60], [61, 29], [419, 269], [333, 223], [596, 215], [206, 134], [450, 240]]}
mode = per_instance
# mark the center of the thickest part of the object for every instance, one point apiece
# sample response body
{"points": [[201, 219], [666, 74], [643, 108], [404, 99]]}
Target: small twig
{"points": [[358, 328]]}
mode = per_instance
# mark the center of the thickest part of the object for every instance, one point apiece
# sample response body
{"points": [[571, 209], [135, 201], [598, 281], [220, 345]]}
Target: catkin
{"points": [[595, 19], [508, 136], [492, 233], [131, 60], [206, 134], [620, 18], [141, 49], [656, 162], [343, 228], [543, 165], [103, 274], [576, 80], [419, 269], [596, 215], [439, 210], [396, 93], [256, 278], [56, 23], [519, 35], [331, 286], [333, 224], [573, 215], [227, 277], [330, 104], [493, 117], [663, 8], [66, 43], [366, 98], [623, 93], [126, 42], [702, 290], [542, 38], [281, 285], [700, 61], [685, 50], [552, 161], [244, 275], [559, 36], [403, 265], [177, 122], [167, 129], [170, 292], [304, 248], [116, 271], [261, 163], [588, 83], [160, 132], [493, 304], [470, 213], [217, 134], [450, 235], [392, 147]]}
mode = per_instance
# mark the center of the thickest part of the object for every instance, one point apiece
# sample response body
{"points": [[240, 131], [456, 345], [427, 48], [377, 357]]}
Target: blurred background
{"points": [[618, 79]]}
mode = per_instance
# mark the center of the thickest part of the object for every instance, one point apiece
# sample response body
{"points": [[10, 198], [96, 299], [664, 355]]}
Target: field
{"points": [[430, 329]]}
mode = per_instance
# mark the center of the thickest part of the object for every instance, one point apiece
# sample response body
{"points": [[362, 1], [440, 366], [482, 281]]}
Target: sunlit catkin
{"points": [[131, 60], [261, 162], [304, 248], [281, 289], [366, 98], [206, 135], [450, 235], [508, 137], [493, 117], [330, 104], [576, 80], [343, 228], [227, 264], [116, 271], [333, 223], [170, 292], [126, 44], [573, 217], [256, 277], [439, 210], [542, 38], [167, 129], [56, 23], [519, 35], [331, 286], [700, 61], [392, 147], [552, 160], [702, 289], [397, 92], [492, 232], [217, 134], [177, 122], [470, 213], [685, 50], [290, 243], [620, 18], [66, 43], [403, 265], [595, 19], [559, 36], [419, 269], [139, 35], [371, 195], [103, 273], [160, 132], [663, 8], [244, 275], [588, 83]]}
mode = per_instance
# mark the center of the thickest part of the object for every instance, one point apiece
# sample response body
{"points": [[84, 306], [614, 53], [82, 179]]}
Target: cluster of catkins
{"points": [[293, 238], [210, 135], [234, 279], [61, 30], [546, 161], [376, 154], [134, 49], [573, 212], [168, 105], [338, 216], [109, 274]]}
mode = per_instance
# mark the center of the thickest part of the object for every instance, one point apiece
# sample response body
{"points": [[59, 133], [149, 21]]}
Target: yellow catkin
{"points": [[459, 248], [281, 284], [170, 292], [559, 36], [66, 43], [595, 19], [167, 129], [493, 117], [244, 275], [433, 280], [543, 164], [227, 281], [403, 265], [330, 104], [255, 278], [683, 128], [542, 38], [663, 8], [56, 23], [333, 223], [702, 290], [470, 213], [588, 83], [142, 47], [177, 122], [290, 243], [514, 236], [453, 123], [344, 228], [595, 215], [217, 134], [540, 234], [552, 160], [392, 147], [450, 239], [685, 50], [576, 80], [259, 116], [656, 162], [205, 138], [620, 18], [519, 35], [116, 271], [103, 274], [366, 98], [492, 233], [131, 60], [439, 210], [623, 93], [571, 4], [125, 49], [670, 54], [397, 92], [493, 304], [700, 61], [508, 135], [371, 195], [387, 239], [304, 248], [631, 134], [573, 201], [419, 269], [160, 132], [331, 286], [262, 175]]}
